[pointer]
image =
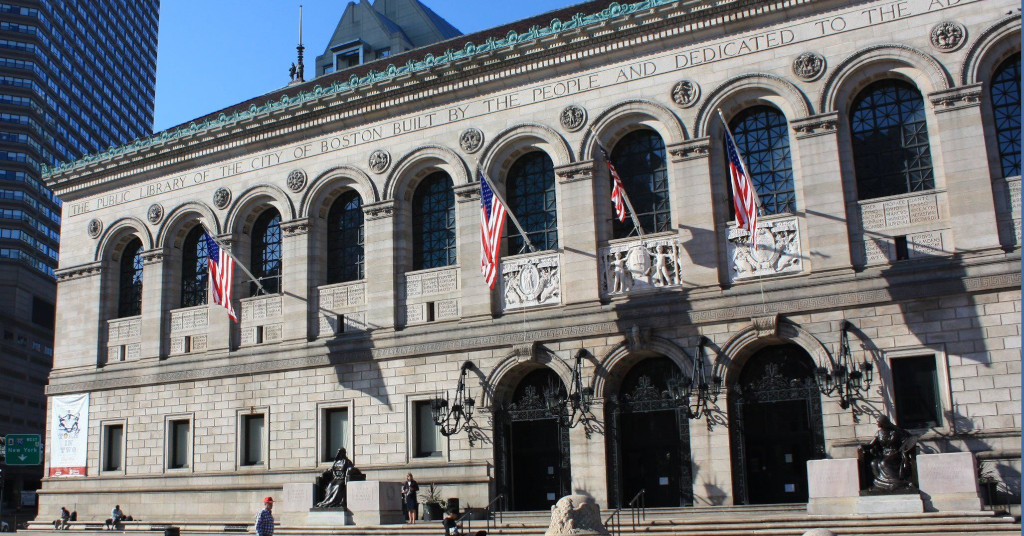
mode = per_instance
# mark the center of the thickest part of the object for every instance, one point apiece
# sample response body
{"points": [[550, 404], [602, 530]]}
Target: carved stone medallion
{"points": [[95, 228], [155, 213], [471, 140], [685, 93], [573, 117], [809, 66], [380, 160], [221, 197], [296, 180], [948, 36]]}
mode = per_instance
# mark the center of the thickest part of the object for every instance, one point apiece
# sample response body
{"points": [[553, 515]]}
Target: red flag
{"points": [[618, 190], [222, 275], [744, 197], [492, 221]]}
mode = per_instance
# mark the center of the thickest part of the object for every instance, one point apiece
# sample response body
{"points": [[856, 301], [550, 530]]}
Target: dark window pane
{"points": [[195, 271], [345, 239], [335, 433], [916, 392], [130, 287], [178, 445], [891, 154], [762, 137], [1006, 111], [433, 222], [252, 440], [530, 193], [639, 158], [266, 252], [428, 434], [112, 442]]}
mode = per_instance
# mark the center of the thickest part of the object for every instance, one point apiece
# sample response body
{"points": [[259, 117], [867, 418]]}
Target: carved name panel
{"points": [[342, 308], [189, 319], [261, 320], [640, 265], [429, 282], [531, 281], [877, 250], [124, 329], [261, 308], [774, 250], [895, 213], [925, 245]]}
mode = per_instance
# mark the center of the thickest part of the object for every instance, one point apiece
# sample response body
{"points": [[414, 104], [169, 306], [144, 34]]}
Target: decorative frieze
{"points": [[896, 213], [531, 281], [640, 265], [774, 250]]}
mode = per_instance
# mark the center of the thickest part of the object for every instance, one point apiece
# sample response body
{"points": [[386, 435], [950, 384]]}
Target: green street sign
{"points": [[23, 449]]}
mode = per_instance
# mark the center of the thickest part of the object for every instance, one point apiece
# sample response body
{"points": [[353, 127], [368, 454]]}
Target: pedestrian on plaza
{"points": [[65, 517], [116, 515], [265, 519], [409, 490]]}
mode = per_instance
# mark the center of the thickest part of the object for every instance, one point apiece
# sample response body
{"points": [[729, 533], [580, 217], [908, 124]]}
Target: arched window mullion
{"points": [[531, 197], [434, 222], [266, 252], [345, 231], [1005, 93], [195, 271], [762, 137], [129, 301], [639, 158]]}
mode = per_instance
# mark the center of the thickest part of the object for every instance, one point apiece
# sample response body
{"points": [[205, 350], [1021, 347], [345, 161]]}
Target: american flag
{"points": [[618, 191], [492, 221], [222, 275], [744, 197]]}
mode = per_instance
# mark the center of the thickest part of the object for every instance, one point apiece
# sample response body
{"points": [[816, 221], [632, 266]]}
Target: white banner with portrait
{"points": [[69, 427]]}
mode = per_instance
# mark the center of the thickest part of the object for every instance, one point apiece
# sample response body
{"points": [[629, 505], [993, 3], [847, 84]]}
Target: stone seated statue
{"points": [[334, 481], [891, 456]]}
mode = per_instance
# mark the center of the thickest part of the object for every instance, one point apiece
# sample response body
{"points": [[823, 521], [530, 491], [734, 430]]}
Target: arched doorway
{"points": [[649, 444], [533, 449], [775, 426]]}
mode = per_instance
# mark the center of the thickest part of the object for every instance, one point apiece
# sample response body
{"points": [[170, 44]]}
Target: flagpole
{"points": [[237, 262], [483, 177], [757, 198], [625, 195]]}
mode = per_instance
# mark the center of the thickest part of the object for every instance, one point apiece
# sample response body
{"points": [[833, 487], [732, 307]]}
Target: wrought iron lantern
{"points": [[454, 417], [571, 408], [698, 393], [845, 379]]}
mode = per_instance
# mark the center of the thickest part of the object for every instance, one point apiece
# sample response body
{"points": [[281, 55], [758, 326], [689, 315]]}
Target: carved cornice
{"points": [[816, 125], [379, 211], [690, 150], [467, 192], [955, 99], [577, 171], [295, 227], [78, 272]]}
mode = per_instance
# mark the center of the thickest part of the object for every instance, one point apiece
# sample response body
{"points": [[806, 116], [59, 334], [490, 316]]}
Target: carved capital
{"points": [[816, 125], [79, 272], [690, 150], [378, 211], [467, 192], [295, 227], [153, 256], [766, 326], [524, 351], [579, 171], [958, 98], [638, 338]]}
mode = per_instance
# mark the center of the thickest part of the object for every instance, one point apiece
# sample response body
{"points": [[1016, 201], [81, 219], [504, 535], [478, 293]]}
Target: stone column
{"points": [[577, 219], [961, 148], [587, 453], [380, 246], [81, 329], [476, 297], [820, 193], [155, 286], [295, 269], [693, 211]]}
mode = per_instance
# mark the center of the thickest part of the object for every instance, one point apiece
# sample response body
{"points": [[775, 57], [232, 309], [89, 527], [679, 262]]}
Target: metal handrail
{"points": [[636, 515], [489, 509]]}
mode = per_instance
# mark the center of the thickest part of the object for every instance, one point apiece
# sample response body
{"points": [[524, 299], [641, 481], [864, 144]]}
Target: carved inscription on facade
{"points": [[342, 308], [187, 327], [895, 213], [640, 265], [531, 281], [877, 249], [426, 283], [925, 245], [774, 250], [261, 320]]}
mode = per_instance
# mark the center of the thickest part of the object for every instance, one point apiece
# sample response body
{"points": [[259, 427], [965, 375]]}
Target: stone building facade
{"points": [[357, 203]]}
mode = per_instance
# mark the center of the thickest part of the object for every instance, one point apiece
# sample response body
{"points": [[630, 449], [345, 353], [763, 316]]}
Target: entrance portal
{"points": [[775, 426], [533, 450], [650, 440]]}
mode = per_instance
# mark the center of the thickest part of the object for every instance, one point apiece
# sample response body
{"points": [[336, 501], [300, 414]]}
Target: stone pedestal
{"points": [[297, 498], [329, 517], [891, 503], [375, 503], [833, 486], [948, 482]]}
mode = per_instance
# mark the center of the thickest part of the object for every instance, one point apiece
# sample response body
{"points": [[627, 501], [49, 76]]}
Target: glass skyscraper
{"points": [[76, 77]]}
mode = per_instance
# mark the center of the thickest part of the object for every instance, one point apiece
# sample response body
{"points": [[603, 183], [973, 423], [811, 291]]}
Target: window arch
{"points": [[433, 220], [639, 158], [762, 137], [129, 299], [345, 239], [195, 271], [531, 197], [891, 154], [1006, 110], [266, 252]]}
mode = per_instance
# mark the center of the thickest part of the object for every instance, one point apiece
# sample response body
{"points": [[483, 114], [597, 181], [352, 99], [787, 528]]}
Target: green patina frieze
{"points": [[555, 27]]}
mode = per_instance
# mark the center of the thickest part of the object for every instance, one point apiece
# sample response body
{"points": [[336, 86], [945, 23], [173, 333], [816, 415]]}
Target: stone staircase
{"points": [[774, 520]]}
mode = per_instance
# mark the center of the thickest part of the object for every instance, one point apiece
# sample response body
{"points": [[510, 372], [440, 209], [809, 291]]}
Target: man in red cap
{"points": [[265, 519]]}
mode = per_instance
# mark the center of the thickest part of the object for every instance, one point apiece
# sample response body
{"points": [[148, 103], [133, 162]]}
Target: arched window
{"points": [[433, 221], [129, 298], [345, 239], [531, 197], [266, 252], [891, 155], [639, 158], [1006, 109], [762, 137], [195, 271]]}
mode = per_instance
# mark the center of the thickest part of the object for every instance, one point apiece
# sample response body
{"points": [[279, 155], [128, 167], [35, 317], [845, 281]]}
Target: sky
{"points": [[216, 53]]}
